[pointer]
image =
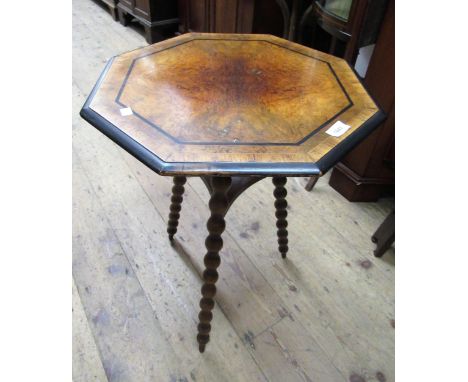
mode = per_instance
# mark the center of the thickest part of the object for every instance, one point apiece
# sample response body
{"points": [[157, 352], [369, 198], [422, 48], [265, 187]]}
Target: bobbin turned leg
{"points": [[176, 205], [281, 214], [219, 205]]}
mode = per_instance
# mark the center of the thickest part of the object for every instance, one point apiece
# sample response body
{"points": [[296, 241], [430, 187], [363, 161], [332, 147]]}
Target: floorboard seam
{"points": [[123, 250], [90, 329]]}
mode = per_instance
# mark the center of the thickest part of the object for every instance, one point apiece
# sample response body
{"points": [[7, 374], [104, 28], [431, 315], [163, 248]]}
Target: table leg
{"points": [[280, 193], [385, 235], [311, 183], [153, 35], [176, 205], [219, 205]]}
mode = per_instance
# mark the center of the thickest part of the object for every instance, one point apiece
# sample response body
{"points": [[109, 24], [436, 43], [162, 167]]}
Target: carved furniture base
{"points": [[356, 188]]}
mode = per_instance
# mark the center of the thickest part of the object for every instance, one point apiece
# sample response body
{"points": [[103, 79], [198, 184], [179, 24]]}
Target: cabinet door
{"points": [[127, 3], [142, 9], [198, 16], [217, 16]]}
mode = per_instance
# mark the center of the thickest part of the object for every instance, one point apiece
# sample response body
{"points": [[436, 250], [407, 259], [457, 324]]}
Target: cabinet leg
{"points": [[113, 12], [219, 205], [176, 205], [280, 193], [123, 18], [152, 35], [385, 235]]}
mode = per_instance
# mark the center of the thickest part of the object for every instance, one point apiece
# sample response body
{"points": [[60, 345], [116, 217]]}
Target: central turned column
{"points": [[219, 205]]}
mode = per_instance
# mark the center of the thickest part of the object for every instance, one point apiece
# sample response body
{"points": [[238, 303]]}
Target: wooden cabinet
{"points": [[367, 172], [156, 16], [237, 16]]}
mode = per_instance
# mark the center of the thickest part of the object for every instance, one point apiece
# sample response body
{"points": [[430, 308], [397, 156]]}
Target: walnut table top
{"points": [[231, 104]]}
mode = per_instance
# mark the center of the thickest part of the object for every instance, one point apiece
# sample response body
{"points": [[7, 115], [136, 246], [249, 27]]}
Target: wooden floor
{"points": [[324, 314]]}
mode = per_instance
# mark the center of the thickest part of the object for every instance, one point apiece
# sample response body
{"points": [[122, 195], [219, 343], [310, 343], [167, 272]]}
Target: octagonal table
{"points": [[231, 109]]}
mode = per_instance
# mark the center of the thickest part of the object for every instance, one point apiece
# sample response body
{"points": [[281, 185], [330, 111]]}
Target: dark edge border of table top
{"points": [[345, 146], [222, 168]]}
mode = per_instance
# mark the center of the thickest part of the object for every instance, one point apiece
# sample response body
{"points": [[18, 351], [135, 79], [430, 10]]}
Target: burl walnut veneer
{"points": [[231, 109]]}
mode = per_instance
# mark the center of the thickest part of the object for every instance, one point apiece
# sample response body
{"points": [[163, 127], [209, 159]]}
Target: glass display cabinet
{"points": [[341, 27], [338, 8]]}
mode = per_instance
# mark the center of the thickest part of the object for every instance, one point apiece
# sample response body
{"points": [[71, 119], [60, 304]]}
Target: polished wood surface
{"points": [[201, 99]]}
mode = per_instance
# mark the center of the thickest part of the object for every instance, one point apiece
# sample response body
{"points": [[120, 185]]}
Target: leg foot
{"points": [[218, 206], [280, 193], [311, 183], [176, 205]]}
